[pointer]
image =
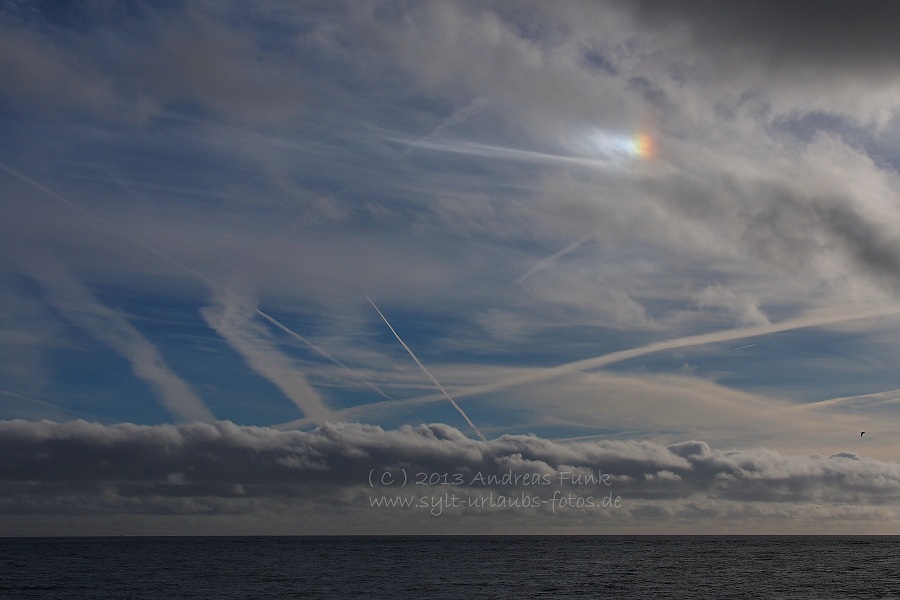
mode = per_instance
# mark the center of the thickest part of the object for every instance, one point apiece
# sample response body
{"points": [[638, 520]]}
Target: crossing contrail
{"points": [[427, 372], [299, 337], [537, 375], [215, 285]]}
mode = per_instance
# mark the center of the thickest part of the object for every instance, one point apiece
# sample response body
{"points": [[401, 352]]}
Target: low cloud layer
{"points": [[359, 475]]}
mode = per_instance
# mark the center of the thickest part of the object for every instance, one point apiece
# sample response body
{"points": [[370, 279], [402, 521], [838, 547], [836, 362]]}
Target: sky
{"points": [[573, 267]]}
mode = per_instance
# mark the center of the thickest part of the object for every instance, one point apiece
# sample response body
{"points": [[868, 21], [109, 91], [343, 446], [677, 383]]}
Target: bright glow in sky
{"points": [[605, 143], [642, 238]]}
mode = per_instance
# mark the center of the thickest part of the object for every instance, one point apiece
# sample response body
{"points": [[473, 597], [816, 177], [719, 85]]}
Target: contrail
{"points": [[235, 323], [513, 154], [551, 259], [427, 372], [470, 110], [810, 320], [543, 374], [297, 336], [172, 260], [877, 398], [108, 224], [742, 347], [50, 404], [76, 303]]}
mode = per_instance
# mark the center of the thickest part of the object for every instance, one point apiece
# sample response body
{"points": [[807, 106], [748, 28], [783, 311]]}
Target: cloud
{"points": [[480, 51], [678, 405], [232, 317], [779, 58], [723, 201], [76, 303], [816, 319], [433, 155], [28, 330], [830, 235], [866, 405], [146, 63], [52, 469], [50, 77], [583, 401], [746, 309], [833, 36]]}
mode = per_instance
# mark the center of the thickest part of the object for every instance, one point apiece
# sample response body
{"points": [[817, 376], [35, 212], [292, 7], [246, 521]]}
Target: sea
{"points": [[465, 567]]}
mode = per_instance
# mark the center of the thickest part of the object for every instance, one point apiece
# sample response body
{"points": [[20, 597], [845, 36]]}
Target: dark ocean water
{"points": [[456, 567]]}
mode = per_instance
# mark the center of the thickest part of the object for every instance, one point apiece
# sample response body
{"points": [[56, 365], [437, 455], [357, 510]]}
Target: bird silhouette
{"points": [[862, 433]]}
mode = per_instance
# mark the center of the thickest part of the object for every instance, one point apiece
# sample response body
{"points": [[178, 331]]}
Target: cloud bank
{"points": [[347, 476]]}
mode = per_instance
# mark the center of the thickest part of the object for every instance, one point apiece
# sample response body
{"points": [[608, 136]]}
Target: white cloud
{"points": [[742, 306], [233, 318], [76, 303]]}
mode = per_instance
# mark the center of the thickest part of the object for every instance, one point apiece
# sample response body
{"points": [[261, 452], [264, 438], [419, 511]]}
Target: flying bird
{"points": [[861, 433]]}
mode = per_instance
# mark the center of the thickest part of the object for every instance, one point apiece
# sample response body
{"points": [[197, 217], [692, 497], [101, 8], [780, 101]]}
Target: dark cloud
{"points": [[871, 246], [790, 230], [858, 38], [80, 468]]}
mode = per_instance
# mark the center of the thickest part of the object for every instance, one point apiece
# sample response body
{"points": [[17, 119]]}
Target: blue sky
{"points": [[639, 223]]}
